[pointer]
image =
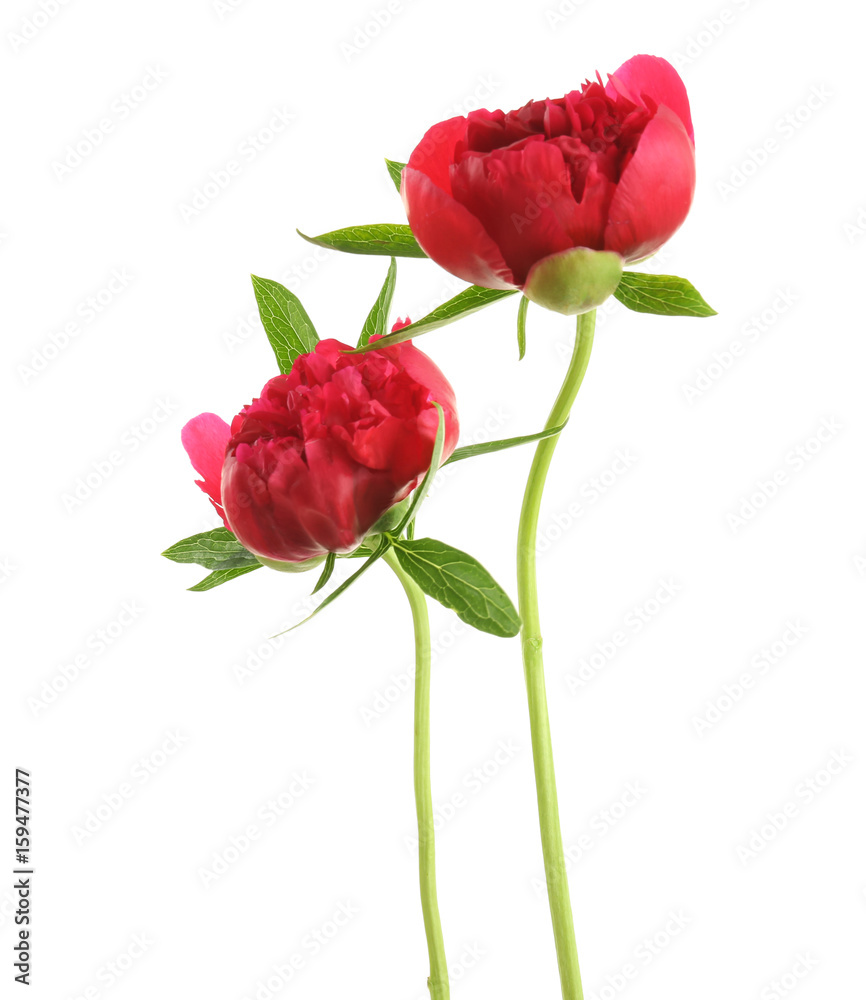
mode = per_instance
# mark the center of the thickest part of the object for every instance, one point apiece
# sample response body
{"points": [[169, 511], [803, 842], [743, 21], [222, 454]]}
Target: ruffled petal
{"points": [[653, 77]]}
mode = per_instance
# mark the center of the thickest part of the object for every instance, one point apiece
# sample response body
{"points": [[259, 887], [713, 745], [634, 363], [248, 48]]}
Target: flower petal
{"points": [[451, 235], [205, 438], [657, 79], [434, 154], [522, 196], [655, 191]]}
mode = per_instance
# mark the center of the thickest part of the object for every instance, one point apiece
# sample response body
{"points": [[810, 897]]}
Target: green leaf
{"points": [[382, 547], [521, 327], [662, 294], [471, 450], [377, 320], [327, 570], [388, 240], [421, 492], [459, 582], [222, 576], [285, 320], [395, 169], [216, 549], [468, 301]]}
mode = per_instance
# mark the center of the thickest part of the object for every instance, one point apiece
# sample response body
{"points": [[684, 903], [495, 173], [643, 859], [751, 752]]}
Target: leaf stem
{"points": [[533, 668], [437, 982]]}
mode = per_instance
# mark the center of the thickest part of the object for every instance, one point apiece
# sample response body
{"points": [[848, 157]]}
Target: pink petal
{"points": [[655, 191], [205, 438], [657, 79], [451, 235]]}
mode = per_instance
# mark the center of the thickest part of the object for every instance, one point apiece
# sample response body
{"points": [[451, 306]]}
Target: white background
{"points": [[774, 236]]}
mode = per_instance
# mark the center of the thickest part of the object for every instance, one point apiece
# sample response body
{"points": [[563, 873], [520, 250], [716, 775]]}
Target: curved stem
{"points": [[533, 668], [437, 983]]}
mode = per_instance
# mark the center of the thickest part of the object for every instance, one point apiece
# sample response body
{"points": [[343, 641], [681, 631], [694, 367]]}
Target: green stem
{"points": [[533, 668], [438, 980]]}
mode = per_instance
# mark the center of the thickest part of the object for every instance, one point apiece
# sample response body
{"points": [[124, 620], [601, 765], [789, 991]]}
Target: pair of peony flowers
{"points": [[552, 200]]}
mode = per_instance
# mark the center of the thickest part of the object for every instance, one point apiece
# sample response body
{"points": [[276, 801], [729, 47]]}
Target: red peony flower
{"points": [[312, 464], [610, 168]]}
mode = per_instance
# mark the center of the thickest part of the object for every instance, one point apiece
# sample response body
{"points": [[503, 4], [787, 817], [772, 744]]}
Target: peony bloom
{"points": [[609, 168], [312, 464]]}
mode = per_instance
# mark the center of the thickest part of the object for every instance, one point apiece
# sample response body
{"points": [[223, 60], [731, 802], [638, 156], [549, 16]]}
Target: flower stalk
{"points": [[533, 667], [437, 982]]}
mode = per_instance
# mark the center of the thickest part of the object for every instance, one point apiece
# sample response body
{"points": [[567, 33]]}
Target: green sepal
{"points": [[420, 493], [662, 295], [459, 582], [290, 330], [330, 562], [395, 169], [387, 239], [285, 566], [377, 319], [214, 549], [221, 576], [521, 327], [488, 447], [468, 301], [574, 281], [381, 549]]}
